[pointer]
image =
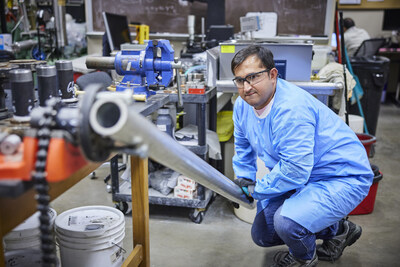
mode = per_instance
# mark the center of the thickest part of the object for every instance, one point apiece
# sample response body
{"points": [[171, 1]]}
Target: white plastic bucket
{"points": [[27, 234], [356, 123], [91, 236], [246, 214], [23, 258]]}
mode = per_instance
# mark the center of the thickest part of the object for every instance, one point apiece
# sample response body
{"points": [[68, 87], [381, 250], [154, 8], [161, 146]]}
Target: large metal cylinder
{"points": [[111, 116]]}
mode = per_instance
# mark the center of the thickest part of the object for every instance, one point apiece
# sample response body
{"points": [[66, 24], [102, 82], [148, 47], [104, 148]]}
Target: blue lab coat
{"points": [[308, 148]]}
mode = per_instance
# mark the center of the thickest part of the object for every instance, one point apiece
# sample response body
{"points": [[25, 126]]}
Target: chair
{"points": [[370, 47], [94, 77]]}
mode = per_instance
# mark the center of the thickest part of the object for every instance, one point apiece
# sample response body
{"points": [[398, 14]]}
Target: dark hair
{"points": [[263, 53], [348, 23]]}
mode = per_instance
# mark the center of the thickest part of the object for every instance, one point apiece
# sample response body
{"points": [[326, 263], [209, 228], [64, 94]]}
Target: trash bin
{"points": [[372, 73], [367, 140], [367, 205]]}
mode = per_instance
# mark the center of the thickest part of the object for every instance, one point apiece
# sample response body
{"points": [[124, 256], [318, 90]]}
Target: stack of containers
{"points": [[185, 188], [91, 236]]}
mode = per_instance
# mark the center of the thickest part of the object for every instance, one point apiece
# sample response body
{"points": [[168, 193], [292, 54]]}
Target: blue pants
{"points": [[271, 229]]}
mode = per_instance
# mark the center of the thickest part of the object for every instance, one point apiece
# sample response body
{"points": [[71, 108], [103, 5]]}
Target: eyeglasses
{"points": [[251, 78]]}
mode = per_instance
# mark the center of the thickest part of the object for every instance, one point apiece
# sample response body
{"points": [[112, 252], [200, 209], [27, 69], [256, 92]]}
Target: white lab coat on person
{"points": [[308, 148], [353, 38]]}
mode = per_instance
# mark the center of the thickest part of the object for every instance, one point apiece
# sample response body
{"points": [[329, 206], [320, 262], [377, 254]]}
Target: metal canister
{"points": [[65, 76], [23, 95], [47, 83], [164, 121]]}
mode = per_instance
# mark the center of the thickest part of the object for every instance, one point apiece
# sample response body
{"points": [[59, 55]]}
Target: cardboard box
{"points": [[5, 42], [180, 192], [186, 183]]}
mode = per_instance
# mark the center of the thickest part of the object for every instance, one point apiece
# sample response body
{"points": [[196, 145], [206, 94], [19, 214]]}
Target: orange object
{"points": [[197, 91], [63, 159], [20, 165]]}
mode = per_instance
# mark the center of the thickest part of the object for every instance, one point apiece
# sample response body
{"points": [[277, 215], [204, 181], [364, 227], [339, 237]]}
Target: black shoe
{"points": [[284, 258], [332, 249]]}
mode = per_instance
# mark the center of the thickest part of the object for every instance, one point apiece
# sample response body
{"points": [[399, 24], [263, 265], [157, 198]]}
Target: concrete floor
{"points": [[222, 239]]}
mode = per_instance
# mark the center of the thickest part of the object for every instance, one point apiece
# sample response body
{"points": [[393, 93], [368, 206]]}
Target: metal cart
{"points": [[121, 192]]}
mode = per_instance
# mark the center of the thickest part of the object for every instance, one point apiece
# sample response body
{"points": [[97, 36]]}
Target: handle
{"points": [[178, 66]]}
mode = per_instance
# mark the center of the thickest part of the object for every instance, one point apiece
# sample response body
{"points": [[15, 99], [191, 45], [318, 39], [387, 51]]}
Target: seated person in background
{"points": [[353, 36]]}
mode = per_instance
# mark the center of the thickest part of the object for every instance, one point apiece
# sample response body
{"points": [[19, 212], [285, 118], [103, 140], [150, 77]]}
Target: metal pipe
{"points": [[25, 20], [178, 65], [23, 45], [111, 116], [60, 23], [191, 21], [203, 30], [93, 62]]}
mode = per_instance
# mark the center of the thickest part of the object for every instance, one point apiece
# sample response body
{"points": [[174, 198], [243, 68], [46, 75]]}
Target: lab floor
{"points": [[222, 239]]}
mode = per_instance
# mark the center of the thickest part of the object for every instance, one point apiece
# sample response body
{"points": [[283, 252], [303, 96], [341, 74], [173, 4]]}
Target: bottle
{"points": [[164, 121]]}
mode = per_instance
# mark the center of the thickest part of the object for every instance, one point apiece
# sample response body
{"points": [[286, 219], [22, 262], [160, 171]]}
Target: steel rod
{"points": [[129, 127]]}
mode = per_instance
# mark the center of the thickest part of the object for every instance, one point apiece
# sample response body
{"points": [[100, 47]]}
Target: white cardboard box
{"points": [[5, 42], [268, 24], [186, 183], [180, 192]]}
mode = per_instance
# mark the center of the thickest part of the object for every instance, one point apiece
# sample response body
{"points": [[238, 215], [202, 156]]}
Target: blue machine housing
{"points": [[144, 68]]}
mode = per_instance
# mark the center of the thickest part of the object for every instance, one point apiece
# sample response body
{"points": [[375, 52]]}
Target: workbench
{"points": [[14, 210]]}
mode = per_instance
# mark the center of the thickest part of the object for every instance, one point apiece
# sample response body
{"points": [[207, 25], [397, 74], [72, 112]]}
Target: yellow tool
{"points": [[142, 32]]}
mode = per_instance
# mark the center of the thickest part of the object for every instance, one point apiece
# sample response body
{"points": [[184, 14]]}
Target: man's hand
{"points": [[247, 186], [243, 182]]}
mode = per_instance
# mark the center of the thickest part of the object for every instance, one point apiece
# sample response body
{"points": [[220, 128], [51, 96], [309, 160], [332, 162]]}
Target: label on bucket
{"points": [[115, 256], [89, 221]]}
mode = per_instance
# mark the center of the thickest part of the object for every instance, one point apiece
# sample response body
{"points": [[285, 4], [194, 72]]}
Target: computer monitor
{"points": [[391, 21], [333, 40], [117, 30]]}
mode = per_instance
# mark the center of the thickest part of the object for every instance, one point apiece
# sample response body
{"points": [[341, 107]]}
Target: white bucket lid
{"points": [[88, 221], [30, 227]]}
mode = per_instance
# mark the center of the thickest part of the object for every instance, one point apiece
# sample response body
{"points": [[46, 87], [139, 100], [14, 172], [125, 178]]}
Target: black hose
{"points": [[49, 258], [344, 62]]}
